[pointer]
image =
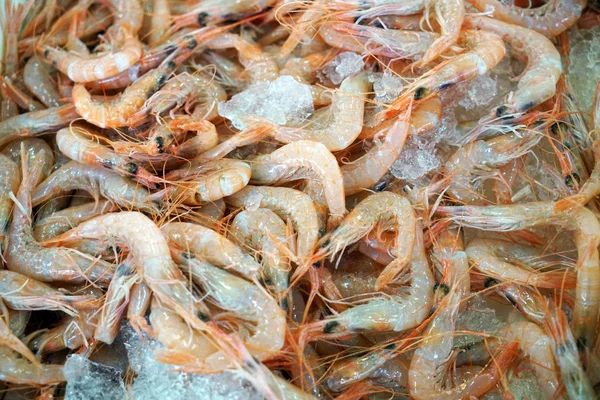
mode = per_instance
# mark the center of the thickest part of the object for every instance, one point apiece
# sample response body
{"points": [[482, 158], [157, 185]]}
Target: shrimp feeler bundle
{"points": [[321, 199]]}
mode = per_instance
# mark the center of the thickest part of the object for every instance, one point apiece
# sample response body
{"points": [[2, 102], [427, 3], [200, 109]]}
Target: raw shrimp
{"points": [[139, 301], [396, 312], [37, 79], [20, 371], [26, 256], [115, 113], [10, 177], [209, 182], [36, 122], [450, 15], [159, 22], [11, 341], [288, 204], [263, 231], [550, 19], [202, 242], [481, 155], [388, 209], [304, 159], [34, 148], [587, 239], [245, 300], [150, 255], [72, 332], [64, 220], [544, 66], [18, 97], [80, 145], [589, 190], [377, 41], [96, 181], [502, 259], [370, 168]]}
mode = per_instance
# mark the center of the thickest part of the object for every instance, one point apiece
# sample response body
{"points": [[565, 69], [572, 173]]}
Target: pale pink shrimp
{"points": [[587, 239], [17, 370], [289, 204], [159, 22], [304, 159], [550, 19], [15, 95], [209, 182], [34, 148], [544, 66], [370, 168], [36, 77], [589, 190], [140, 297], [377, 41], [10, 177], [390, 210], [263, 231], [72, 332], [150, 254], [396, 312], [201, 242], [450, 15]]}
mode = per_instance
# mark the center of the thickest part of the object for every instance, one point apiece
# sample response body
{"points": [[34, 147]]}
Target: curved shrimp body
{"points": [[551, 19], [481, 155], [34, 148], [377, 41], [589, 190], [356, 369], [71, 333], [450, 15], [211, 181], [17, 370], [587, 239], [258, 65], [150, 254], [116, 113], [390, 313], [88, 151], [263, 231], [26, 256], [10, 177], [202, 242], [370, 168], [303, 159], [507, 260], [139, 302], [36, 122], [246, 300], [98, 182], [63, 220], [83, 69], [347, 110], [390, 210], [544, 66], [288, 204], [37, 79]]}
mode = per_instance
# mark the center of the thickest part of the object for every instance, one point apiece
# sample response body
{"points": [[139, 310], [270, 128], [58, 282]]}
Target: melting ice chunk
{"points": [[584, 65], [89, 380], [281, 101], [342, 66]]}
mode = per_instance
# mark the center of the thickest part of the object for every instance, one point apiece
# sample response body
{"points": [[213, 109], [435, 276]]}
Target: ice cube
{"points": [[281, 101], [89, 380], [584, 65], [342, 66], [387, 86], [417, 158]]}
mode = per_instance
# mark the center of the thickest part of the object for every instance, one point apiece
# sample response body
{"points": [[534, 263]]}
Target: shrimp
{"points": [[544, 67], [96, 181], [72, 332], [394, 212], [370, 168], [377, 41], [450, 15], [36, 77], [550, 19], [150, 254], [34, 148], [304, 159], [139, 301], [245, 300], [257, 64], [587, 239], [289, 204], [201, 242], [396, 312], [36, 122], [506, 260], [588, 191], [10, 177], [159, 22], [481, 156], [18, 97], [26, 256], [115, 113], [485, 52], [87, 150], [211, 181], [11, 341], [64, 220], [14, 369], [263, 231]]}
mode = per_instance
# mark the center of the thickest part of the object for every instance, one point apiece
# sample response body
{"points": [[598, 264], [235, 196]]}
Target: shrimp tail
{"points": [[390, 272]]}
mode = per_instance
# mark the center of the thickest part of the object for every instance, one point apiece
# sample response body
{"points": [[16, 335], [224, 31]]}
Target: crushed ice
{"points": [[342, 66]]}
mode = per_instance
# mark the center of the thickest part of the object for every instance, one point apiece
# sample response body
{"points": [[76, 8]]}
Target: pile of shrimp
{"points": [[290, 253]]}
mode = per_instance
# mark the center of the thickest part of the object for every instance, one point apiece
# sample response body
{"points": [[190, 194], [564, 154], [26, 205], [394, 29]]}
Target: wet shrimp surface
{"points": [[327, 199]]}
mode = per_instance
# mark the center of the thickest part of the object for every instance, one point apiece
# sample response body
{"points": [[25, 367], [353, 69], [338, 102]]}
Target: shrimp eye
{"points": [[267, 281], [380, 186], [581, 343], [202, 17], [190, 42], [47, 53], [500, 111], [377, 24], [557, 127], [317, 264], [170, 49], [132, 168], [572, 181], [203, 317], [330, 326], [420, 93], [390, 346], [188, 255], [322, 232], [443, 287], [445, 86], [160, 143], [490, 282], [284, 304]]}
